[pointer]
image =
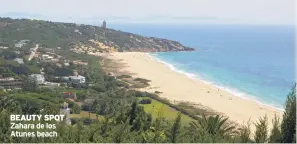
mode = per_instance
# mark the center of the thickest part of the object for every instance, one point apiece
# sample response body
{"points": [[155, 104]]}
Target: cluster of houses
{"points": [[75, 79], [8, 83], [13, 83], [47, 55], [21, 43], [4, 47], [40, 79]]}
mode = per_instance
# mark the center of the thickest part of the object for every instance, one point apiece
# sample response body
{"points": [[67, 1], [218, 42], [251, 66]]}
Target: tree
{"points": [[158, 129], [76, 108], [214, 126], [261, 134], [288, 126], [105, 126], [50, 109], [245, 133], [132, 113], [176, 128], [120, 132], [275, 135], [30, 85], [88, 77], [49, 71]]}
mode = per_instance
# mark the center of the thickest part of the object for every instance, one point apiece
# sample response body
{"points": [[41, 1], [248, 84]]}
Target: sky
{"points": [[254, 12]]}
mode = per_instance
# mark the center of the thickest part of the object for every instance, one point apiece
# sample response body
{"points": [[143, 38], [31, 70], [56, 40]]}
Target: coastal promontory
{"points": [[80, 37]]}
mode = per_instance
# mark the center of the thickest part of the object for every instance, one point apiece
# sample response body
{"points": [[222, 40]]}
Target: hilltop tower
{"points": [[104, 24]]}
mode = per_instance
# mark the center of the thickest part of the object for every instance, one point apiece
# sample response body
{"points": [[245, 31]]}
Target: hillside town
{"points": [[51, 70], [48, 56]]}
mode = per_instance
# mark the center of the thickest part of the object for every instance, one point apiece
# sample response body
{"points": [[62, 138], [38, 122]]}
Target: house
{"points": [[47, 57], [19, 60], [51, 84], [21, 43], [3, 47], [77, 79], [78, 62], [38, 78], [65, 78], [59, 65], [17, 52], [18, 45]]}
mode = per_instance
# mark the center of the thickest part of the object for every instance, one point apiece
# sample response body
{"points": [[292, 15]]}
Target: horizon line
{"points": [[114, 22]]}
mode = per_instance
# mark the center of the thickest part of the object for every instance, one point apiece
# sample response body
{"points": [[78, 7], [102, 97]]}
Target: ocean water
{"points": [[253, 62]]}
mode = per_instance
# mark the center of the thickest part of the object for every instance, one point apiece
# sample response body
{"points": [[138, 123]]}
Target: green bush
{"points": [[75, 109], [124, 76], [145, 101]]}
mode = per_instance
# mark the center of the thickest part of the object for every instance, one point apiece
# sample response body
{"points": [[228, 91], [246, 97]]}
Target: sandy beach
{"points": [[178, 87]]}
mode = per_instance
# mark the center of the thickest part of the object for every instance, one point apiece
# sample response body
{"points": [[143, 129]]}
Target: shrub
{"points": [[124, 76], [121, 84], [158, 92], [140, 94], [99, 88], [87, 121], [145, 81], [87, 107], [74, 121], [145, 101]]}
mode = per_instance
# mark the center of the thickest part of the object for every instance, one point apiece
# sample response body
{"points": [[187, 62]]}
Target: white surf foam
{"points": [[233, 91]]}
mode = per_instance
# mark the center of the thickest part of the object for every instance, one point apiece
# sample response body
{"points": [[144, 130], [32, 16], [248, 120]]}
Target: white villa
{"points": [[38, 78], [75, 79]]}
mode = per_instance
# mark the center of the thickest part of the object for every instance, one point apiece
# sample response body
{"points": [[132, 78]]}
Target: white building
{"points": [[21, 43], [38, 78], [19, 60], [47, 57], [77, 79], [3, 47], [51, 84]]}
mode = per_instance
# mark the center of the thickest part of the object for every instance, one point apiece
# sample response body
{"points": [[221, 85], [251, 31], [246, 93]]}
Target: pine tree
{"points": [[133, 112], [261, 134], [288, 126], [105, 124], [176, 128], [245, 133], [120, 132], [275, 135]]}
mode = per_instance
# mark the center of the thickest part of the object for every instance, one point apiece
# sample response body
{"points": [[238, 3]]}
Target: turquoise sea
{"points": [[253, 62]]}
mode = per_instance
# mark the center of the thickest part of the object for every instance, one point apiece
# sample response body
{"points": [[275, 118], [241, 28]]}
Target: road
{"points": [[33, 52]]}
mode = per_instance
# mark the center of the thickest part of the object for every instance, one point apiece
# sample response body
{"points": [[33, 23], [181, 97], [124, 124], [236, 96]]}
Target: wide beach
{"points": [[178, 87]]}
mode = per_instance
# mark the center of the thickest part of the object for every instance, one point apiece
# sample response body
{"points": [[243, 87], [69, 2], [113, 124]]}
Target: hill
{"points": [[80, 38]]}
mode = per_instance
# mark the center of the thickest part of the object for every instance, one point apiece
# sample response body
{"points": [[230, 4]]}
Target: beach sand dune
{"points": [[178, 87]]}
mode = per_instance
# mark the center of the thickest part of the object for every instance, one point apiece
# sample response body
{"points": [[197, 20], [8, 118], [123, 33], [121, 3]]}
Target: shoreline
{"points": [[235, 92], [176, 86]]}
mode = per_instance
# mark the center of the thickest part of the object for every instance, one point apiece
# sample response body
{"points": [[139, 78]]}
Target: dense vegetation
{"points": [[67, 35], [132, 124]]}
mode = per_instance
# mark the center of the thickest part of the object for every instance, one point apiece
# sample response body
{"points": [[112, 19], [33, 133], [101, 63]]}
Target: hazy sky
{"points": [[277, 12]]}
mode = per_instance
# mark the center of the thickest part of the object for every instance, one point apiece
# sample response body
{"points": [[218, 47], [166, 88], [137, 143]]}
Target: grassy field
{"points": [[157, 108]]}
